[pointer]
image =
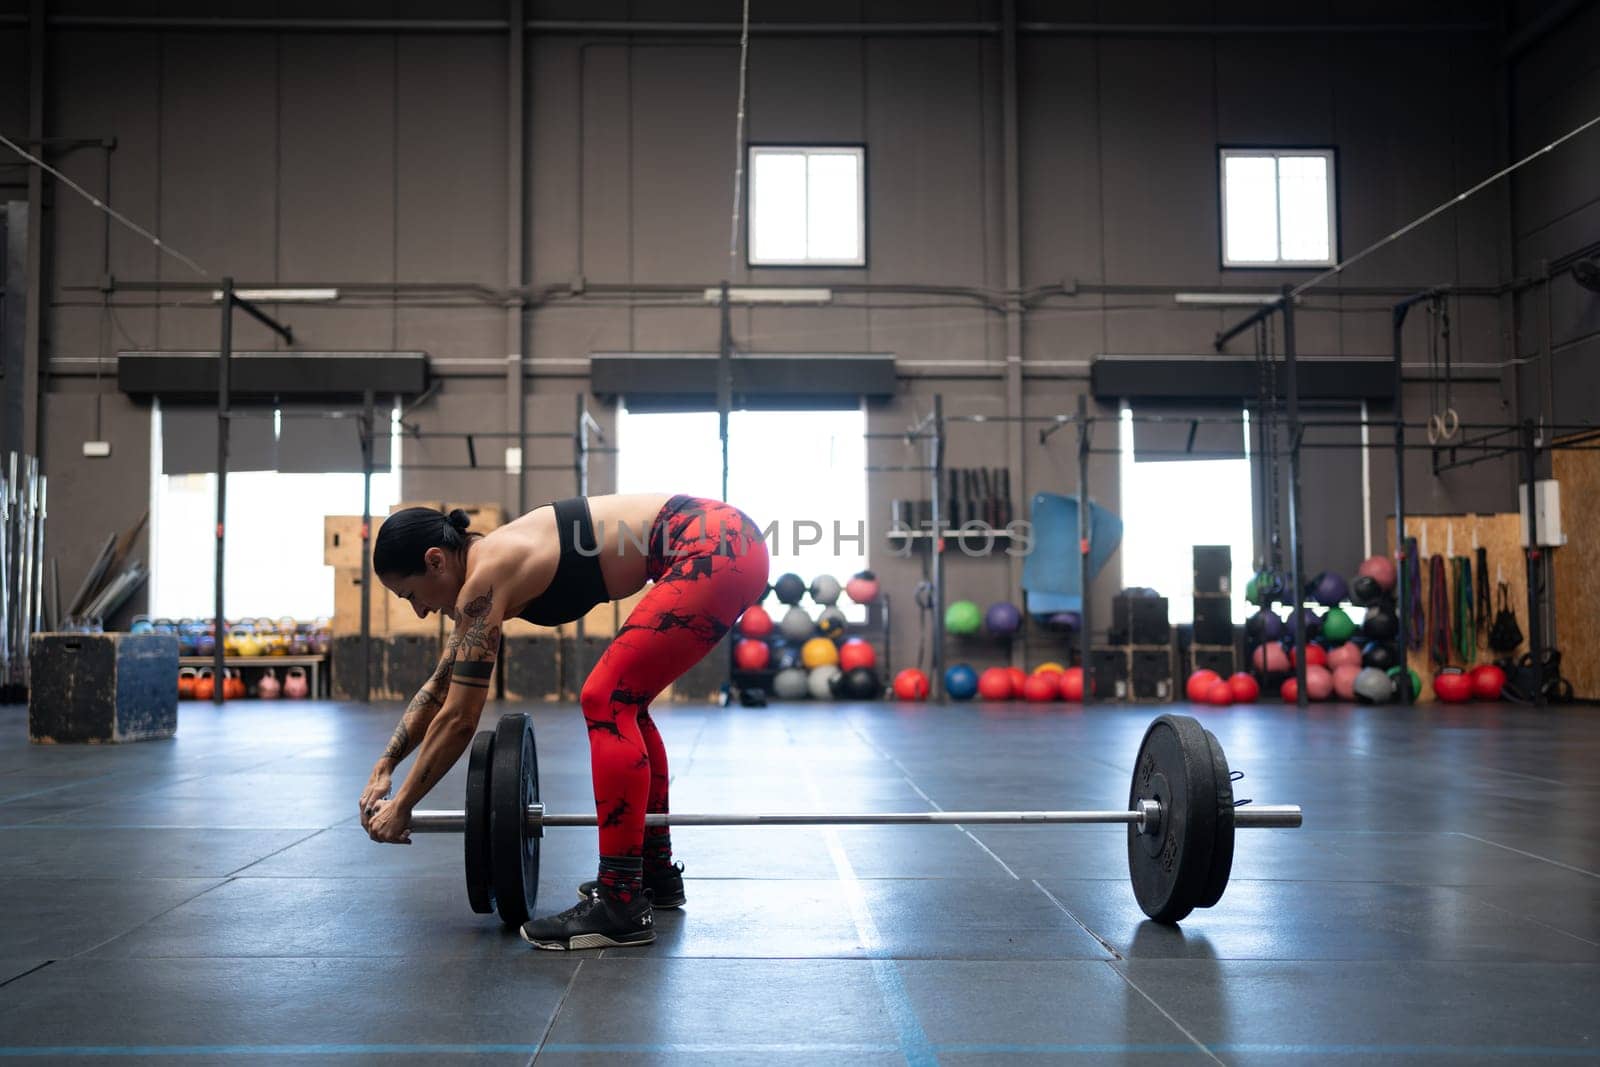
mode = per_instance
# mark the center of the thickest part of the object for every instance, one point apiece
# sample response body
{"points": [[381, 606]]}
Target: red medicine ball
{"points": [[755, 622], [1041, 688], [1245, 688], [751, 655], [911, 684], [995, 684], [1316, 656], [1019, 678], [1199, 685], [1220, 694], [856, 653], [1487, 681]]}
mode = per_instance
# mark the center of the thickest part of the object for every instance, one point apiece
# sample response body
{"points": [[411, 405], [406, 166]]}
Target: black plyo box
{"points": [[1213, 659], [1213, 568], [1152, 674], [1109, 668], [102, 687], [1213, 619], [1139, 620]]}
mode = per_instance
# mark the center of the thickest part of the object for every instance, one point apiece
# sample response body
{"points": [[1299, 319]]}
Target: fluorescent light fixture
{"points": [[281, 296], [749, 295], [1226, 299]]}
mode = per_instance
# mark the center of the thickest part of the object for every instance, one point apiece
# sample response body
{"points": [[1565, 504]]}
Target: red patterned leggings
{"points": [[708, 562]]}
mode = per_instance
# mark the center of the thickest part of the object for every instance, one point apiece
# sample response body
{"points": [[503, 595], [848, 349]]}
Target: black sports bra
{"points": [[578, 584]]}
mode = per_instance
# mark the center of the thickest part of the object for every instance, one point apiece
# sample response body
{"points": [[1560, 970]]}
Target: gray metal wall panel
{"points": [[682, 159], [832, 110], [1577, 376], [90, 498], [1553, 187], [13, 88], [337, 167], [925, 163], [451, 159], [555, 138], [1159, 149], [1059, 162], [605, 157]]}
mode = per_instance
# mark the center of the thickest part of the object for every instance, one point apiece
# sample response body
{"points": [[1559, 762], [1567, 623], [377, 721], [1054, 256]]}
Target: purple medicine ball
{"points": [[1002, 619]]}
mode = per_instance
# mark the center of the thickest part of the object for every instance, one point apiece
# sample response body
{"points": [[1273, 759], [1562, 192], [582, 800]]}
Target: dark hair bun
{"points": [[459, 519]]}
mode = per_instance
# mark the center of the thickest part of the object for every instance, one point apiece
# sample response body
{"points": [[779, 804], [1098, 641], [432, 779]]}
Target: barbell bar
{"points": [[1180, 819], [1147, 820]]}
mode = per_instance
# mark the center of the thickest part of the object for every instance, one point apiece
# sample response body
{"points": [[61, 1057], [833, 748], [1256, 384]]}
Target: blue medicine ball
{"points": [[961, 682]]}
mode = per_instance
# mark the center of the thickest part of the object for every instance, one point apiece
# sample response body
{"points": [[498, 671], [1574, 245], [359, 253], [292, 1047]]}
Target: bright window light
{"points": [[807, 207], [788, 467], [273, 559], [1277, 208], [1213, 498]]}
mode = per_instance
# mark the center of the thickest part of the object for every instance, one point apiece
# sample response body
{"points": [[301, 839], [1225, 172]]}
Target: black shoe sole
{"points": [[580, 942]]}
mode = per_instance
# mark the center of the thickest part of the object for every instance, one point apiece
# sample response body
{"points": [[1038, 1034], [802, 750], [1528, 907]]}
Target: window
{"points": [[273, 559], [1278, 208], [785, 467], [807, 207], [1212, 499]]}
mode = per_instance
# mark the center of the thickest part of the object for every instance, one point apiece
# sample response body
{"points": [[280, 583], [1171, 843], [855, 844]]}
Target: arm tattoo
{"points": [[420, 710], [478, 645]]}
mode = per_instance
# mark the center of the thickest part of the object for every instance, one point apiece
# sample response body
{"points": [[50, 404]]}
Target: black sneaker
{"points": [[595, 923], [665, 885]]}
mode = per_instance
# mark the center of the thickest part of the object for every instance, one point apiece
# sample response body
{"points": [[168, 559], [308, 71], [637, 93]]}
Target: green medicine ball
{"points": [[963, 617], [1416, 681], [1337, 626]]}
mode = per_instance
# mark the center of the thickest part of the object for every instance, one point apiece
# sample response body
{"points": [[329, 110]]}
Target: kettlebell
{"points": [[295, 685], [232, 686], [186, 680], [204, 685], [269, 688], [142, 625]]}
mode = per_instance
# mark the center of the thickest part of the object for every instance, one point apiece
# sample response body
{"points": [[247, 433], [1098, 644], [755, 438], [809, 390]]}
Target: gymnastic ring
{"points": [[1452, 420]]}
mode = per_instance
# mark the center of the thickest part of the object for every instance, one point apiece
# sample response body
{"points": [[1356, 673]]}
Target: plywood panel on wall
{"points": [[1577, 571], [1442, 535]]}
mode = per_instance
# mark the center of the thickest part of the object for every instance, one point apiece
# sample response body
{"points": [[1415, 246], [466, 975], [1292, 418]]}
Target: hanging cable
{"points": [[154, 239], [738, 143]]}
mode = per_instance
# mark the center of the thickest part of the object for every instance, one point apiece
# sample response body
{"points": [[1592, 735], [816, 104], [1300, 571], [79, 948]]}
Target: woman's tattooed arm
{"points": [[420, 712]]}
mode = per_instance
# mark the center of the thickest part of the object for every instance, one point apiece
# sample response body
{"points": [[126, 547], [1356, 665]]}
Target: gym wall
{"points": [[1554, 86], [379, 157]]}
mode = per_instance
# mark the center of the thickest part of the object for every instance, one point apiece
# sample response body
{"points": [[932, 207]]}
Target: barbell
{"points": [[1181, 816]]}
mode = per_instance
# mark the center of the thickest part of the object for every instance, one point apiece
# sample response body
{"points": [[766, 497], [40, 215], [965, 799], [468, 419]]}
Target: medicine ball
{"points": [[751, 655], [825, 589], [1319, 682], [1313, 624], [1452, 687], [1344, 654], [1344, 680], [962, 617], [1365, 590], [819, 652], [1041, 688], [791, 684], [1263, 626], [1064, 620], [1416, 681], [1378, 654], [862, 587], [831, 624], [1381, 625], [1381, 569], [784, 657], [1199, 684], [1072, 684], [755, 622], [1487, 681], [1002, 619], [1219, 693], [1245, 688], [961, 682], [822, 681], [1337, 626], [856, 653], [797, 625], [1328, 589], [911, 684], [995, 684], [862, 684], [1270, 658], [1372, 686], [789, 588]]}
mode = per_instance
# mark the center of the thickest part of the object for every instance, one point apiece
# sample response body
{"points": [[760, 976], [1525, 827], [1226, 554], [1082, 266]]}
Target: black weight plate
{"points": [[1222, 843], [513, 785], [480, 884], [1171, 867]]}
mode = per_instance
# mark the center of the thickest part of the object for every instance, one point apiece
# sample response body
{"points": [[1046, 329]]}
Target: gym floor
{"points": [[212, 896]]}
